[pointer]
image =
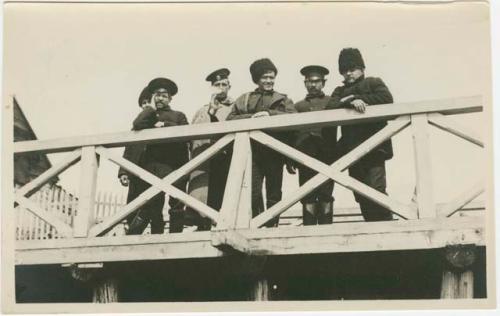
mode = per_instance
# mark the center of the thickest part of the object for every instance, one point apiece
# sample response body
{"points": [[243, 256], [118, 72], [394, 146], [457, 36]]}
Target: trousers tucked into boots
{"points": [[151, 212], [317, 213]]}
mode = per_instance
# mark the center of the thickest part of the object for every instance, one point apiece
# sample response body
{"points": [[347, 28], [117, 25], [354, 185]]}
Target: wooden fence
{"points": [[63, 205]]}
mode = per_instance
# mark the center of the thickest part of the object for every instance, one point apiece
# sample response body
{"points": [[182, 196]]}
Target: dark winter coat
{"points": [[372, 91], [174, 154]]}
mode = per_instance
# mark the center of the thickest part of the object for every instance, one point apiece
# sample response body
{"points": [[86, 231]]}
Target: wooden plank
{"points": [[108, 223], [463, 199], [61, 227], [442, 122], [326, 172], [56, 169], [234, 182], [260, 290], [105, 290], [457, 285], [293, 121], [424, 186], [244, 215], [86, 196], [351, 237]]}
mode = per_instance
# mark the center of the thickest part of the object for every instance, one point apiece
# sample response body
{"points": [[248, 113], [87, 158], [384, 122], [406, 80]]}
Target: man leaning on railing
{"points": [[358, 92], [266, 164], [159, 159]]}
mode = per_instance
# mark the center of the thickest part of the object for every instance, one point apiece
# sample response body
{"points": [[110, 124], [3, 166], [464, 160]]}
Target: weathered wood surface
{"points": [[105, 291], [260, 290], [425, 198], [36, 209], [457, 285], [229, 208], [293, 121], [346, 237], [88, 182], [446, 124], [463, 199]]}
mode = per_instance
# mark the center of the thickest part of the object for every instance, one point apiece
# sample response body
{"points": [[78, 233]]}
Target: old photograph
{"points": [[247, 156]]}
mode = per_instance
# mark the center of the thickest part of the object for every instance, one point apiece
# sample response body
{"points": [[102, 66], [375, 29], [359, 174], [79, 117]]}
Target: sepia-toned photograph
{"points": [[247, 156]]}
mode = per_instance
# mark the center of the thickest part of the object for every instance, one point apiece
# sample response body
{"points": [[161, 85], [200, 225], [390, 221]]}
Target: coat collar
{"points": [[355, 82], [275, 96], [313, 96]]}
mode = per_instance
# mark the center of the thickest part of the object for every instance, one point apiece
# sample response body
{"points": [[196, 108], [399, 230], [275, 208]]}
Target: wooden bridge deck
{"points": [[335, 238]]}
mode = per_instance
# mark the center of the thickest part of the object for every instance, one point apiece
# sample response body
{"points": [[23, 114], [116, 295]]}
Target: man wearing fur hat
{"points": [[266, 164], [208, 181], [358, 92], [159, 159], [320, 143]]}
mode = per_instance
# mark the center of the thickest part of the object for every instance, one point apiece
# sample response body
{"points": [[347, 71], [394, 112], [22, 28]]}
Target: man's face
{"points": [[266, 81], [162, 98], [353, 74], [314, 84], [221, 87]]}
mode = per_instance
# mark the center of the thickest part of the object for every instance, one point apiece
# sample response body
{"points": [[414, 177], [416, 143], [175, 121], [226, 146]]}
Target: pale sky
{"points": [[78, 69]]}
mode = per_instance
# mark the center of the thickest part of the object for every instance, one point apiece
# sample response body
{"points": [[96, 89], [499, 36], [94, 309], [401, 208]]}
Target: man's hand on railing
{"points": [[261, 114], [124, 180], [359, 105]]}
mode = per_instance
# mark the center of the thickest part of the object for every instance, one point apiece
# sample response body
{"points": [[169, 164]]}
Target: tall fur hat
{"points": [[350, 58], [260, 67]]}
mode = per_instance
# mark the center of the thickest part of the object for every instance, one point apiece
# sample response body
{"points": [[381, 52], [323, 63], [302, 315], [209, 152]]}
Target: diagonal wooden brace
{"points": [[109, 222], [334, 172]]}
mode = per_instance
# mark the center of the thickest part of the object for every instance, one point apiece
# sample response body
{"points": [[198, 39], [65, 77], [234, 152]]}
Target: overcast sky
{"points": [[78, 69]]}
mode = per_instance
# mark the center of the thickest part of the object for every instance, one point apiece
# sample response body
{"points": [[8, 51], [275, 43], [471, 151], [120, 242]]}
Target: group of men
{"points": [[207, 183]]}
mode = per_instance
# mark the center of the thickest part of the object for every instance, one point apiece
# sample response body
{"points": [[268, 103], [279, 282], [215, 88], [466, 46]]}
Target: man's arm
{"points": [[145, 119], [286, 107], [236, 114], [337, 100], [379, 94]]}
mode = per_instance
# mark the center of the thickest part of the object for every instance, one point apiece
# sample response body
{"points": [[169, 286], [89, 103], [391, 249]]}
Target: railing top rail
{"points": [[293, 121]]}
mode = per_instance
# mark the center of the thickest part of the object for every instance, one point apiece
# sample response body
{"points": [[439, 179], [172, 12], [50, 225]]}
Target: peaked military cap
{"points": [[165, 83], [218, 75], [314, 69], [350, 58], [260, 67], [145, 95]]}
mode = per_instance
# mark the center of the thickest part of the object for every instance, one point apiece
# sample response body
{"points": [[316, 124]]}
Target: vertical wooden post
{"points": [[229, 208], [260, 290], [105, 291], [86, 197], [458, 278], [424, 187], [245, 204]]}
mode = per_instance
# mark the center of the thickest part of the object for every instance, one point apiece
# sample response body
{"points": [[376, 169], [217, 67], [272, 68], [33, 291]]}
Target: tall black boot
{"points": [[137, 226], [325, 212], [176, 221], [309, 214]]}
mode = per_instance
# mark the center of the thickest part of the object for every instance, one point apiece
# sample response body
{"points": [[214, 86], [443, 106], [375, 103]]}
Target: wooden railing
{"points": [[236, 212]]}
